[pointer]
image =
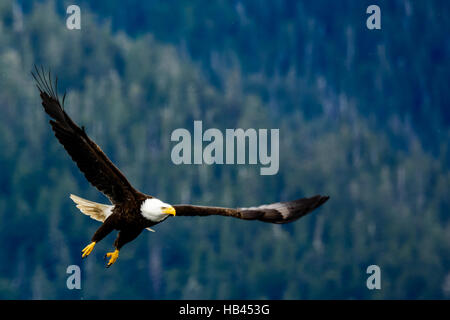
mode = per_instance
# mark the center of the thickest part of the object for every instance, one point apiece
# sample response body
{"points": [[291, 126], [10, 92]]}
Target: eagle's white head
{"points": [[155, 210]]}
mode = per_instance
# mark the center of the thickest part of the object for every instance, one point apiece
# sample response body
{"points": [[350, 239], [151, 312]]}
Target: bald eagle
{"points": [[131, 211]]}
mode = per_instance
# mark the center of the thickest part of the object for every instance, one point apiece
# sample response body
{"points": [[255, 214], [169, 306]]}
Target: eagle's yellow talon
{"points": [[88, 249], [113, 257]]}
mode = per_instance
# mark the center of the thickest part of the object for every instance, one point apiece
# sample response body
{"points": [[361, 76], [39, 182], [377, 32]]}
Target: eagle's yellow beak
{"points": [[169, 210]]}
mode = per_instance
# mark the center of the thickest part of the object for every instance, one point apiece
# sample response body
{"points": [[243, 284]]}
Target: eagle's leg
{"points": [[113, 257], [123, 237], [88, 249], [101, 232]]}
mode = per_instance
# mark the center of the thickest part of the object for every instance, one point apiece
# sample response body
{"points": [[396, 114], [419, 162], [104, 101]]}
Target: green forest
{"points": [[363, 117]]}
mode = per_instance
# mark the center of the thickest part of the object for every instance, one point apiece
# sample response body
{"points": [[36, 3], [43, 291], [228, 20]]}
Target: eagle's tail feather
{"points": [[96, 211]]}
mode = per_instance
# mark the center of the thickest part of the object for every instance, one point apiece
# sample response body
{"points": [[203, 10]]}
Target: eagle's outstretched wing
{"points": [[279, 212], [88, 156]]}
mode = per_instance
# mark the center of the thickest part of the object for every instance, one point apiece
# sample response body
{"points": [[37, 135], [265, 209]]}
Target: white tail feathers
{"points": [[96, 211]]}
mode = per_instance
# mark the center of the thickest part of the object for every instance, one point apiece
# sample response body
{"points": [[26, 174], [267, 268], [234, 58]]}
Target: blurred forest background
{"points": [[363, 116]]}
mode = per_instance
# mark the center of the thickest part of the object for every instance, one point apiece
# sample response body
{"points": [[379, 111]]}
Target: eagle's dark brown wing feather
{"points": [[90, 159], [280, 212]]}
